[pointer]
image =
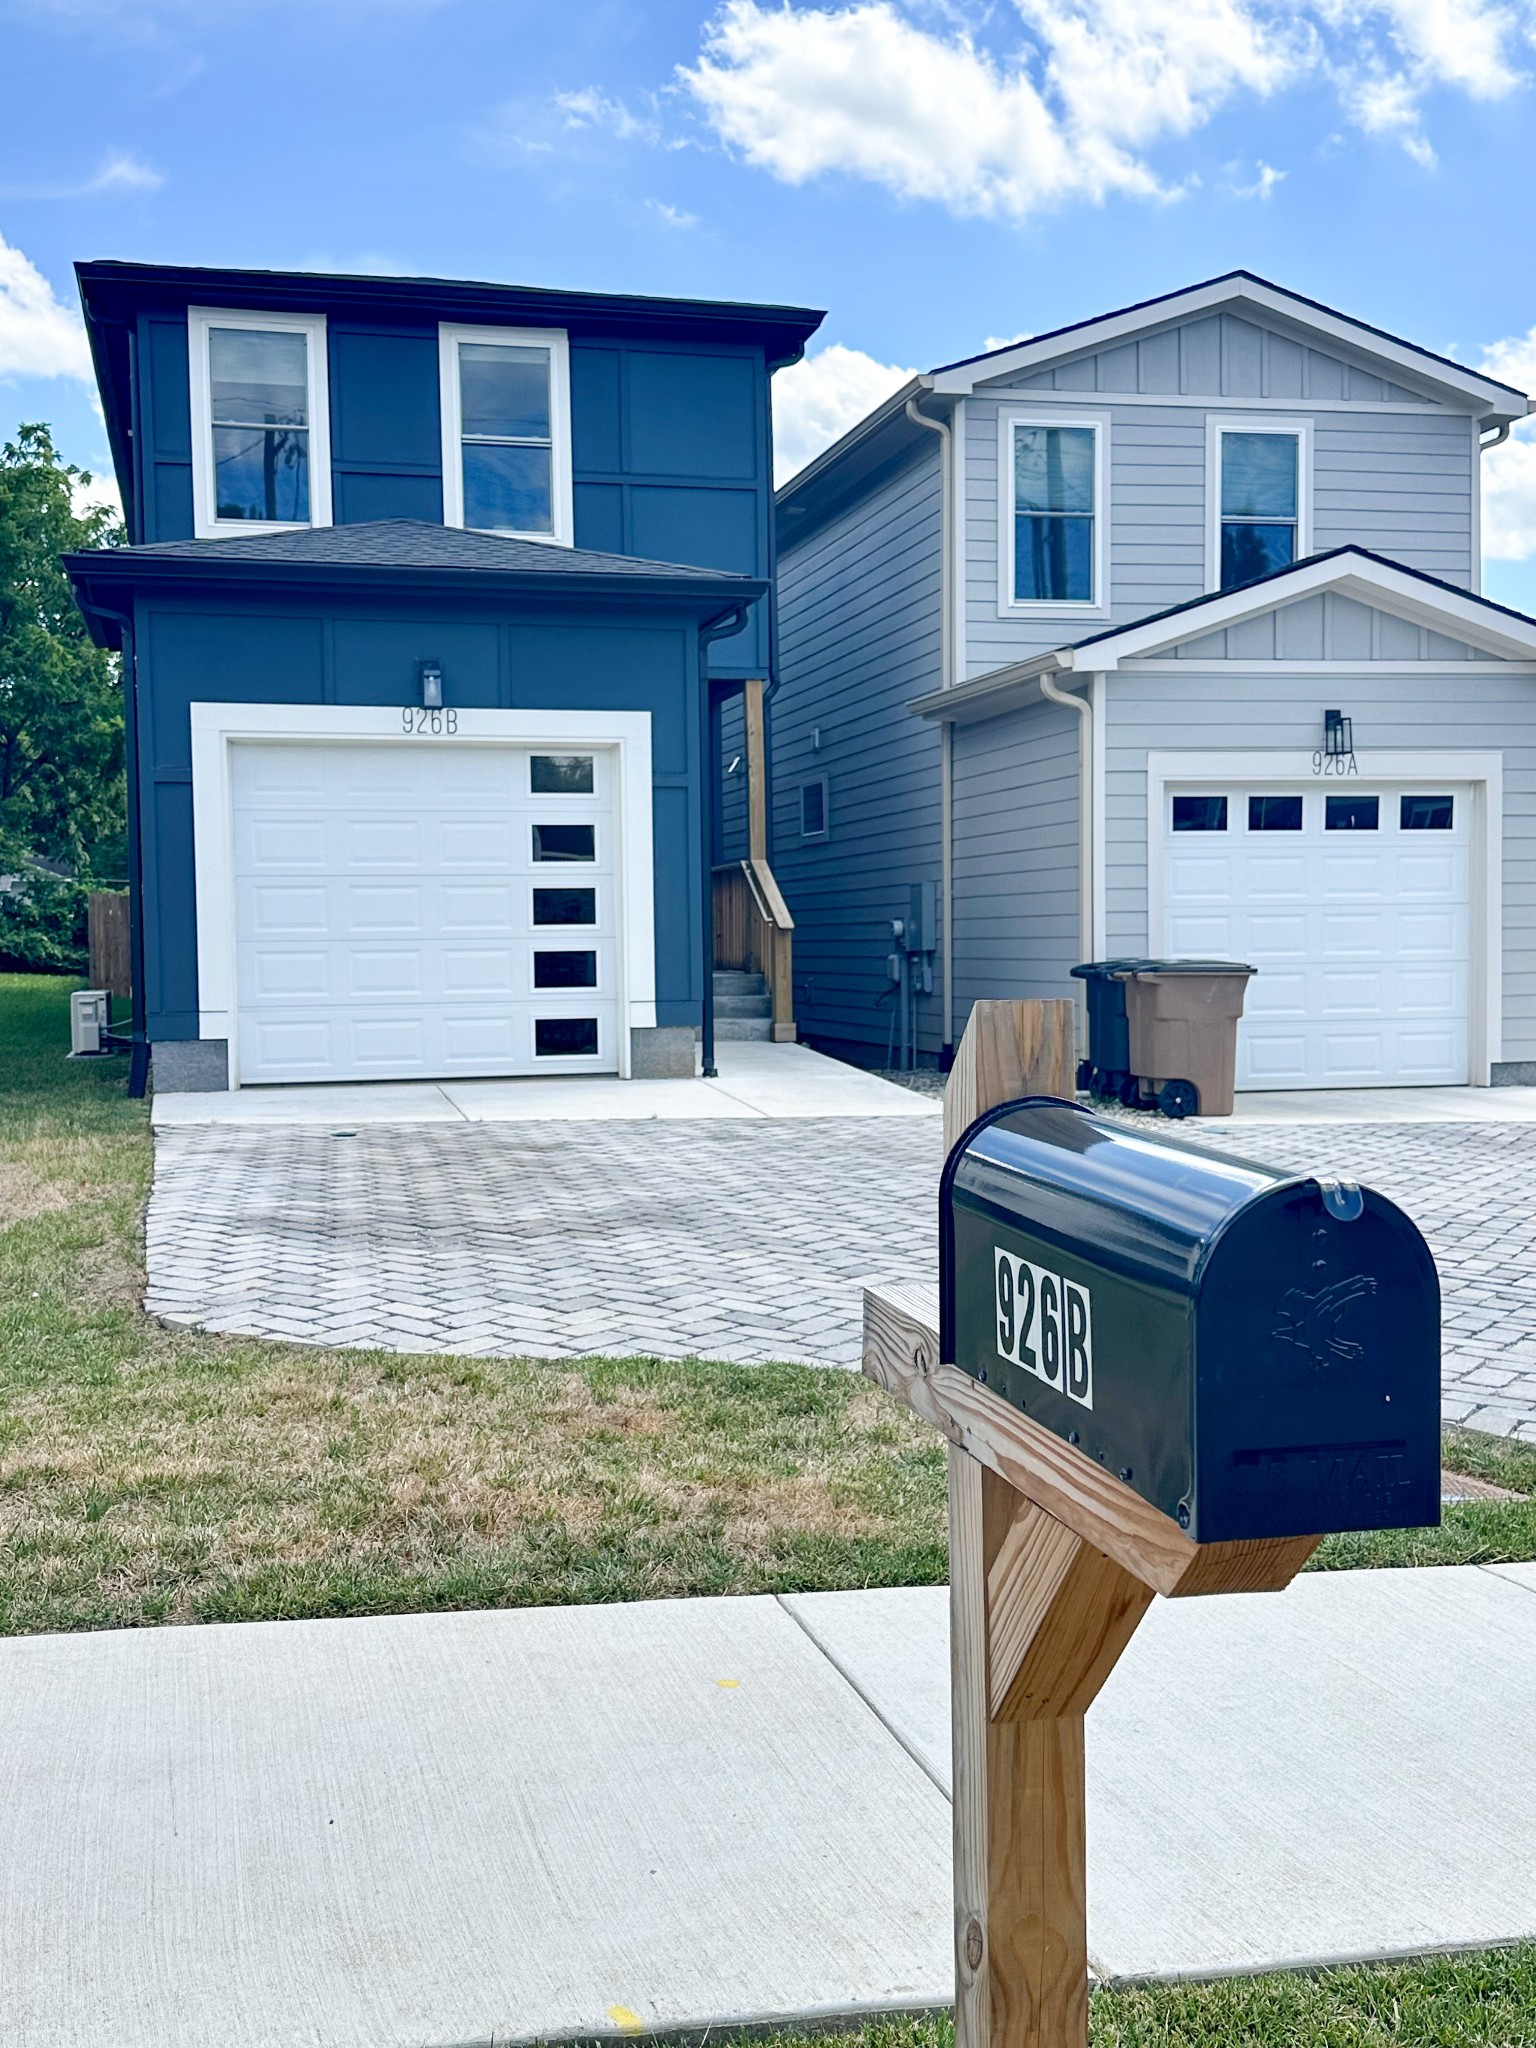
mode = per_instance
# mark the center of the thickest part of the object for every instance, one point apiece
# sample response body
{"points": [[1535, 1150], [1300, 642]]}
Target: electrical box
{"points": [[90, 1019]]}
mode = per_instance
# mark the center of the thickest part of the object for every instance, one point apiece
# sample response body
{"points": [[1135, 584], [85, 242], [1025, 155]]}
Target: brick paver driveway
{"points": [[724, 1240]]}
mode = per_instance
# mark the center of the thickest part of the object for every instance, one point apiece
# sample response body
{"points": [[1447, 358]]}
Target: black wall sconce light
{"points": [[431, 674], [1338, 735]]}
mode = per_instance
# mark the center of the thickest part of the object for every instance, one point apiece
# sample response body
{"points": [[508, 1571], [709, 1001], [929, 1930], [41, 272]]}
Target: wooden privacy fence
{"points": [[106, 923]]}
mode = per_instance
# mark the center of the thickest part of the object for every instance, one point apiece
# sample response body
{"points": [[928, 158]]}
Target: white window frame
{"points": [[1217, 427], [562, 511], [205, 521], [810, 782], [1009, 606], [217, 729]]}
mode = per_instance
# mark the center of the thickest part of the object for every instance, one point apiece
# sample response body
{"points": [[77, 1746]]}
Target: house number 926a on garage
{"points": [[1045, 1324], [416, 718]]}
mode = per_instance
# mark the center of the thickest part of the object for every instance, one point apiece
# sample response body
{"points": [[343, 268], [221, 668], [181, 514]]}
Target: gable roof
{"points": [[1240, 290], [887, 432], [398, 553], [1347, 572]]}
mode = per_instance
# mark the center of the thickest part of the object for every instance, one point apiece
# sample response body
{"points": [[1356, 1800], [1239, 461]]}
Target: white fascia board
{"points": [[1375, 583], [1409, 365]]}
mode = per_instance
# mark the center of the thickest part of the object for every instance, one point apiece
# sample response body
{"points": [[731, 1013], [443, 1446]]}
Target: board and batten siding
{"points": [[1325, 627], [1400, 482], [1184, 708], [859, 638], [1016, 814]]}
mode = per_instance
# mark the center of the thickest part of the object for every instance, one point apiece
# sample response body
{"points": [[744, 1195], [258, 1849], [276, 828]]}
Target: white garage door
{"points": [[423, 910], [1353, 903]]}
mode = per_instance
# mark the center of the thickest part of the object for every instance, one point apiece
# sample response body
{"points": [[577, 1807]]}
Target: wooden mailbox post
{"points": [[1053, 1562]]}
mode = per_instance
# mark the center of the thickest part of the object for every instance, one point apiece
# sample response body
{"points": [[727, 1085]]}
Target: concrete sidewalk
{"points": [[432, 1831]]}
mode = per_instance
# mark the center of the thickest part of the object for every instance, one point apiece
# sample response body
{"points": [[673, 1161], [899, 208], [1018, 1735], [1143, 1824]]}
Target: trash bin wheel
{"points": [[1178, 1099], [1129, 1092]]}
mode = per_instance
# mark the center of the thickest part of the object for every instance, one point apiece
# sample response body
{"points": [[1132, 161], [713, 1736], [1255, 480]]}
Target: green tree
{"points": [[61, 712]]}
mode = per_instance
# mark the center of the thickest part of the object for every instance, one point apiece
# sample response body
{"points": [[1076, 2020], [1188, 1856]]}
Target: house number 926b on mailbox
{"points": [[1045, 1324], [1257, 1354]]}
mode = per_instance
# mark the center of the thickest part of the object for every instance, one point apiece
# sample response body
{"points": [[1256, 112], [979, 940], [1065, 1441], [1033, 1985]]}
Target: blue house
{"points": [[1162, 634], [434, 591]]}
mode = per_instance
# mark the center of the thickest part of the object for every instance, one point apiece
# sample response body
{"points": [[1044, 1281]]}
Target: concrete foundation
{"points": [[190, 1066], [665, 1052]]}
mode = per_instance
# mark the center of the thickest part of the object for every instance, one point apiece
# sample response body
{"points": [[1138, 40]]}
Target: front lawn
{"points": [[152, 1475], [1486, 2000]]}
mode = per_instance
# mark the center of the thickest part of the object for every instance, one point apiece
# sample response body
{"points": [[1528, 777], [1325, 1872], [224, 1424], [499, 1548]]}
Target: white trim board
{"points": [[206, 524], [218, 728], [1449, 767]]}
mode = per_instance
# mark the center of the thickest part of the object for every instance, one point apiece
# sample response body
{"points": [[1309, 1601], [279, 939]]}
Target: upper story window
{"points": [[260, 444], [1054, 517], [507, 431], [1259, 487]]}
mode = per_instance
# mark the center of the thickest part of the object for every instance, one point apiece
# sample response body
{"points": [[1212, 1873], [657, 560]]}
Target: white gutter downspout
{"points": [[947, 680], [1087, 879]]}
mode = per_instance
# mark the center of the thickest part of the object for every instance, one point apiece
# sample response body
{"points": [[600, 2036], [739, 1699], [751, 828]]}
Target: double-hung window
{"points": [[1258, 485], [1053, 535], [506, 431], [261, 456]]}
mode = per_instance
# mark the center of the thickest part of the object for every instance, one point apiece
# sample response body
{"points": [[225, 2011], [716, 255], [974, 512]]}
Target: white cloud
{"points": [[101, 490], [39, 336], [1509, 472], [590, 108], [816, 401], [1260, 186], [119, 171], [673, 216], [1088, 90]]}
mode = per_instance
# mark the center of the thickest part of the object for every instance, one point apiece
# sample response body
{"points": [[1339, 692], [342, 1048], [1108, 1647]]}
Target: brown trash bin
{"points": [[1183, 1029]]}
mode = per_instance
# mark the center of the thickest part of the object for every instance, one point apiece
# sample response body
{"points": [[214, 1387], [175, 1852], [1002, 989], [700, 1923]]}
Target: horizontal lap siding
{"points": [[1400, 486], [1016, 857], [1226, 712], [859, 637]]}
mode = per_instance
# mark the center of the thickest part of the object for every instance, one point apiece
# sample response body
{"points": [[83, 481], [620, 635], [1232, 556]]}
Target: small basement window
{"points": [[813, 808], [261, 458]]}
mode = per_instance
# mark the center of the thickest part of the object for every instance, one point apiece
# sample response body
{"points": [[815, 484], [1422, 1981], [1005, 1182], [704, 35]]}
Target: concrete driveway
{"points": [[741, 1233]]}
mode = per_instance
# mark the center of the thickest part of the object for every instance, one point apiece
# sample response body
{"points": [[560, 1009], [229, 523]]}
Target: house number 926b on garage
{"points": [[417, 718], [1045, 1324]]}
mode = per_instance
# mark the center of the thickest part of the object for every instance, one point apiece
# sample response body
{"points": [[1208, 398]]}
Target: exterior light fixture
{"points": [[1338, 735], [431, 674]]}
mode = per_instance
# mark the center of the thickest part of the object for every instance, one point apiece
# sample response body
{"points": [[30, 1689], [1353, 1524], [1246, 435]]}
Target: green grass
{"points": [[152, 1475], [1475, 2001]]}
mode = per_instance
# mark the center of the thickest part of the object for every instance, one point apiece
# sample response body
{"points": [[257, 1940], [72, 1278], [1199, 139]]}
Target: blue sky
{"points": [[935, 174]]}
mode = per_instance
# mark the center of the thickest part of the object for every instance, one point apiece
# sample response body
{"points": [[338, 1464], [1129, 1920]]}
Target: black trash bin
{"points": [[1107, 1071]]}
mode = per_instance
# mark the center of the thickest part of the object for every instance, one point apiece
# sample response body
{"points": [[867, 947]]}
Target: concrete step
{"points": [[735, 981], [743, 1006], [743, 1027]]}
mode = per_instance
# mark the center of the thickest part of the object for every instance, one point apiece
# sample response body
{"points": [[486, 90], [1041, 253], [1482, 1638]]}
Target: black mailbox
{"points": [[1255, 1353]]}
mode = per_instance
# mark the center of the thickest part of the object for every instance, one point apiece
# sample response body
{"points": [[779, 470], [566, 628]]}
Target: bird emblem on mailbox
{"points": [[1311, 1321]]}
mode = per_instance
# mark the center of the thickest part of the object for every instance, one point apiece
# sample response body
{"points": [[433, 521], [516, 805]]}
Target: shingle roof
{"points": [[413, 544]]}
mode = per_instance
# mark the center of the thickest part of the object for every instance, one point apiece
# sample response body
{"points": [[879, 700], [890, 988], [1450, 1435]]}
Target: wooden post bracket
{"points": [[1053, 1562]]}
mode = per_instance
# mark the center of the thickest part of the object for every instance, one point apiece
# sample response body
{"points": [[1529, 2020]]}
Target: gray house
{"points": [[1162, 633]]}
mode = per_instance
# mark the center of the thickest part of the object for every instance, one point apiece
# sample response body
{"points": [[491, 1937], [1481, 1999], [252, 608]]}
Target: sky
{"points": [[938, 175]]}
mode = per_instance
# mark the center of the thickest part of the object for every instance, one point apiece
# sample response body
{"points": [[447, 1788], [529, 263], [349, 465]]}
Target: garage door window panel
{"points": [[565, 1038], [1199, 814], [1426, 813], [1352, 813], [555, 970], [1274, 813], [564, 906], [564, 843], [562, 775]]}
